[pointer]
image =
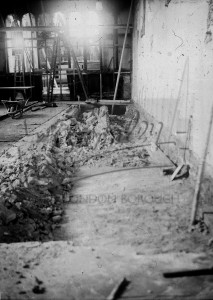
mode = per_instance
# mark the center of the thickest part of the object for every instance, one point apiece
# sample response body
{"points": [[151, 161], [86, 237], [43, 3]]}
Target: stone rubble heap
{"points": [[36, 183]]}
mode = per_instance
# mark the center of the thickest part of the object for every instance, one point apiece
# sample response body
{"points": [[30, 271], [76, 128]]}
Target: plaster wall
{"points": [[173, 69]]}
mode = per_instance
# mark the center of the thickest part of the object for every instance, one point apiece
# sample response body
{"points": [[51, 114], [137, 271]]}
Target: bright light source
{"points": [[76, 24], [18, 41], [92, 18], [58, 19], [99, 5], [84, 25], [92, 22]]}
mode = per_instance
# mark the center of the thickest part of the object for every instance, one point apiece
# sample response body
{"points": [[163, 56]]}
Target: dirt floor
{"points": [[119, 216], [138, 207]]}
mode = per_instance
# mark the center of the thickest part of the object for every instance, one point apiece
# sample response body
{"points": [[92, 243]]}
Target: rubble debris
{"points": [[6, 215], [200, 226], [34, 186], [56, 219], [38, 289]]}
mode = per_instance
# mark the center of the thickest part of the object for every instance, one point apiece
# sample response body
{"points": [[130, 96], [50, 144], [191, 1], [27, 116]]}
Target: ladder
{"points": [[78, 70], [19, 70], [19, 66], [52, 73], [69, 46], [19, 74]]}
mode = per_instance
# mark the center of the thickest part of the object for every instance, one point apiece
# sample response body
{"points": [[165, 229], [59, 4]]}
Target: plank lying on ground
{"points": [[115, 101], [186, 273], [100, 101], [109, 102], [118, 289]]}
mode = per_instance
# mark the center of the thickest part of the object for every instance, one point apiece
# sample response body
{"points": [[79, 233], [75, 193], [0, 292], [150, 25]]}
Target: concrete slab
{"points": [[13, 130]]}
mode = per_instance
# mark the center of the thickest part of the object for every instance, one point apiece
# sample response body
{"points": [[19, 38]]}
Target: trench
{"points": [[89, 179], [36, 182]]}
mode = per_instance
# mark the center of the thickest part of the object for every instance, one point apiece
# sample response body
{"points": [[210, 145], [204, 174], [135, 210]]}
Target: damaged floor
{"points": [[95, 220]]}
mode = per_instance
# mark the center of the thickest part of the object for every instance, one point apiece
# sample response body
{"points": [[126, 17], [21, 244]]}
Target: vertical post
{"points": [[122, 54], [44, 50], [5, 44], [32, 65], [85, 51], [101, 67], [78, 70], [115, 48], [115, 34], [85, 56], [74, 93], [200, 171], [70, 66], [37, 48], [61, 96], [31, 35]]}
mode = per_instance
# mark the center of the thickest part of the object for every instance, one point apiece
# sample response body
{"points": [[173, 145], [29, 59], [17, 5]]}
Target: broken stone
{"points": [[56, 219], [42, 182], [57, 212], [30, 228], [13, 198], [38, 289], [46, 211], [67, 197], [31, 180], [4, 189], [7, 215], [153, 147], [25, 184], [18, 205], [66, 181], [7, 233]]}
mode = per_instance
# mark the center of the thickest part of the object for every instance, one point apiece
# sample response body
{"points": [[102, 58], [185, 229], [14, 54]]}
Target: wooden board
{"points": [[16, 87]]}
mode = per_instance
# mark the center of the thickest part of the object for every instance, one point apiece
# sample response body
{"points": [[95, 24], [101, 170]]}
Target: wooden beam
{"points": [[55, 28], [116, 26], [122, 53], [101, 66]]}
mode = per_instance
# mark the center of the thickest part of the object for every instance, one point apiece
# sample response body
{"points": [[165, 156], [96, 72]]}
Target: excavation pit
{"points": [[38, 180], [88, 202], [91, 179]]}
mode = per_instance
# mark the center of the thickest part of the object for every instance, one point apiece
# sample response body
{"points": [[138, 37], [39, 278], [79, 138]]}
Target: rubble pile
{"points": [[96, 132], [91, 131], [35, 184]]}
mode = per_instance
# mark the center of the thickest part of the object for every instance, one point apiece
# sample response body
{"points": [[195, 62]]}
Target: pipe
{"points": [[120, 170]]}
